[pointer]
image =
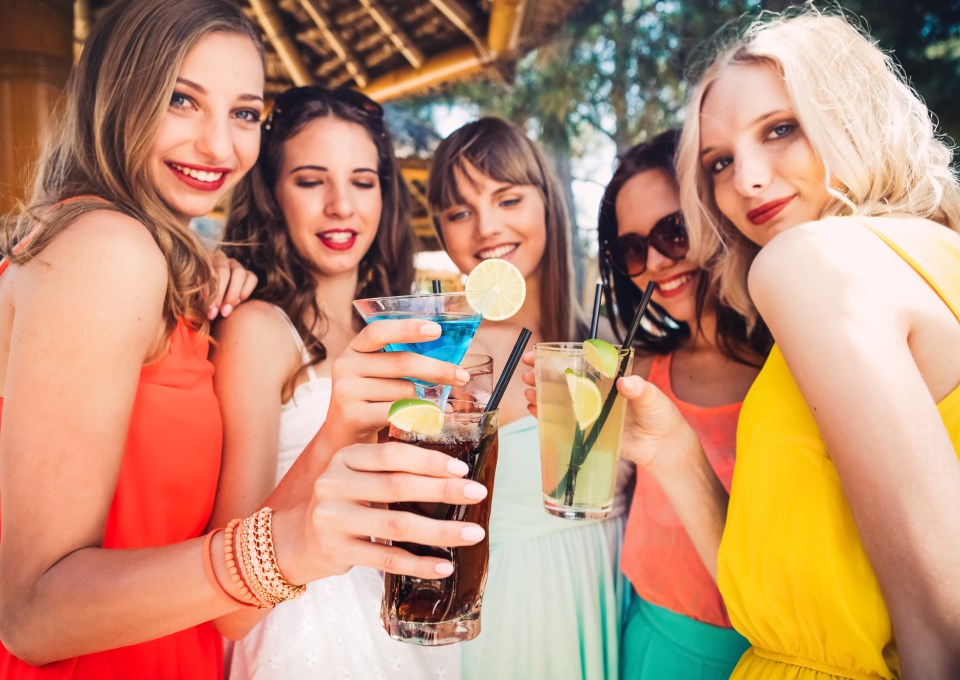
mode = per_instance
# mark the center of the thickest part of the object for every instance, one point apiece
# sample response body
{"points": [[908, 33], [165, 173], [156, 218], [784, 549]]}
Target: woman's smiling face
{"points": [[496, 219], [766, 176]]}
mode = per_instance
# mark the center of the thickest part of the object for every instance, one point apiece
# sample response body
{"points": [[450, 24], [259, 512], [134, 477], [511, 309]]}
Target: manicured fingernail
{"points": [[463, 376], [212, 314], [225, 311], [472, 533], [458, 467], [430, 329], [474, 490], [443, 568]]}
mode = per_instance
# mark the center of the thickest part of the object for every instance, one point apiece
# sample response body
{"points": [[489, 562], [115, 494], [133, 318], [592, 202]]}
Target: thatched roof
{"points": [[389, 48]]}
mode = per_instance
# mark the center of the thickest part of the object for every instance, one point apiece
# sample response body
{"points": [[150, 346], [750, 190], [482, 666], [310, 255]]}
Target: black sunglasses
{"points": [[297, 96], [628, 253]]}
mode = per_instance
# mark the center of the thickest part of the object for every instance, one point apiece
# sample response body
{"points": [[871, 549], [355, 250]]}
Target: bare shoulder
{"points": [[105, 255], [815, 261], [255, 329]]}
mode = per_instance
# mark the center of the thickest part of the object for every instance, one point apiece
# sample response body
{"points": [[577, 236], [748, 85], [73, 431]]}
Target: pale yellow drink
{"points": [[577, 483]]}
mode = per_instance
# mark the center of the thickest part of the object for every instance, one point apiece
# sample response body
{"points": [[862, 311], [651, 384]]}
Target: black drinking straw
{"points": [[508, 370], [628, 342], [436, 287], [597, 296]]}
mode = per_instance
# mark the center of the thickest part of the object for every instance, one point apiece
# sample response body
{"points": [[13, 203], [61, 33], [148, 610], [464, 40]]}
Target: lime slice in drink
{"points": [[586, 397], [602, 356], [416, 415], [496, 289]]}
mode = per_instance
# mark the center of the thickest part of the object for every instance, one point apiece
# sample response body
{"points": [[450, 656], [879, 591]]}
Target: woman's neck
{"points": [[335, 295]]}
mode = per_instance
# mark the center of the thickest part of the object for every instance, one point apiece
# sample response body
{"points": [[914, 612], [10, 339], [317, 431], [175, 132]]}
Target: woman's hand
{"points": [[366, 381], [654, 429], [234, 285], [343, 514]]}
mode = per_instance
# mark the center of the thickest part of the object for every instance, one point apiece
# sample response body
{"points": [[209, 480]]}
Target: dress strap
{"points": [[930, 262], [304, 353]]}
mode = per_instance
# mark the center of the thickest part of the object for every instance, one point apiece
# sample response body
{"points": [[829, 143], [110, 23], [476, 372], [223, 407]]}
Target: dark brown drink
{"points": [[445, 610]]}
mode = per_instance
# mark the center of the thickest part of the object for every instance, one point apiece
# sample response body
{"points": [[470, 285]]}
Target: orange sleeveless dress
{"points": [[659, 558], [164, 494]]}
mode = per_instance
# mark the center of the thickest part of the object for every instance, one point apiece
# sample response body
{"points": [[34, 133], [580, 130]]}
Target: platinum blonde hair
{"points": [[873, 134]]}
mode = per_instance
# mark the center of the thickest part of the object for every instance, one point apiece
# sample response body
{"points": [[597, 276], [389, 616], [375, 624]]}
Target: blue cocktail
{"points": [[457, 320]]}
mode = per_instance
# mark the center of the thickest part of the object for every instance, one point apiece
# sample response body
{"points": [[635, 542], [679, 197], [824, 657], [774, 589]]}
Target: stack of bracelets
{"points": [[252, 563]]}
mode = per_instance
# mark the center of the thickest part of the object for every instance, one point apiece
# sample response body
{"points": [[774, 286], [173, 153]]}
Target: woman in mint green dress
{"points": [[552, 604]]}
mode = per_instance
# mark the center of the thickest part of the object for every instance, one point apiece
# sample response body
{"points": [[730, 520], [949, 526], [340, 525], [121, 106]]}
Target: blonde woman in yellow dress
{"points": [[820, 169]]}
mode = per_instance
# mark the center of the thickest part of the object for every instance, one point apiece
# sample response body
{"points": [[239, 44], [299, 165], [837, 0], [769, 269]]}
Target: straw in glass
{"points": [[583, 444], [508, 369]]}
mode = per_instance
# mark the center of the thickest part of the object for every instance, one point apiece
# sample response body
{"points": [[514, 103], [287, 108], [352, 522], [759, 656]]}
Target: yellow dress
{"points": [[792, 570]]}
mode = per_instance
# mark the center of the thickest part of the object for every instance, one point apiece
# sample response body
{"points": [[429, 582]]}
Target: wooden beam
{"points": [[506, 19], [346, 55], [397, 35], [439, 69], [272, 25], [461, 17], [81, 26]]}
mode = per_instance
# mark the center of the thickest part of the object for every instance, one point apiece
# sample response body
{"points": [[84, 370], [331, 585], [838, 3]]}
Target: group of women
{"points": [[152, 504]]}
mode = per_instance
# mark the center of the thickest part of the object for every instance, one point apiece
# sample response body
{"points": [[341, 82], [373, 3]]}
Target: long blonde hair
{"points": [[116, 97], [872, 132]]}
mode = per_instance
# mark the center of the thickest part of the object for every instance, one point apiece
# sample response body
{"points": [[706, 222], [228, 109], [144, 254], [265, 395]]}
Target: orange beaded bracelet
{"points": [[212, 576], [235, 569]]}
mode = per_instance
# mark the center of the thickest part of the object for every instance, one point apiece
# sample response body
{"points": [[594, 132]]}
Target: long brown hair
{"points": [[735, 338], [116, 97], [500, 150], [257, 236]]}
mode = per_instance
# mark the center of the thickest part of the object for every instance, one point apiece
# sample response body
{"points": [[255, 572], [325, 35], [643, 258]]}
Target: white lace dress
{"points": [[333, 631]]}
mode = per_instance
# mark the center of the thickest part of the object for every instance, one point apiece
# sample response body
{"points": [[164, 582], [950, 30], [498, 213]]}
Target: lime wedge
{"points": [[496, 289], [416, 415], [602, 356], [586, 397]]}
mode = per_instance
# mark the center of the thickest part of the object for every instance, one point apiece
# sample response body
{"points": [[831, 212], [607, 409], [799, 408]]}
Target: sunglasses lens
{"points": [[670, 237], [629, 254]]}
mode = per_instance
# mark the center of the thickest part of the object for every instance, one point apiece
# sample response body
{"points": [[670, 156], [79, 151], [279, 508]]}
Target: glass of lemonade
{"points": [[447, 610], [581, 425]]}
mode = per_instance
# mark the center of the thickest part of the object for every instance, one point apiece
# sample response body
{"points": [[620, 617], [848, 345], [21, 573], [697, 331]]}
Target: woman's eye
{"points": [[364, 184], [509, 202], [180, 100], [308, 183], [249, 115], [781, 130], [717, 165], [457, 215]]}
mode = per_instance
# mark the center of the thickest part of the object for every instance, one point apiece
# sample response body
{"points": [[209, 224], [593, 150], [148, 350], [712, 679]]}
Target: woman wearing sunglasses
{"points": [[322, 220], [702, 355]]}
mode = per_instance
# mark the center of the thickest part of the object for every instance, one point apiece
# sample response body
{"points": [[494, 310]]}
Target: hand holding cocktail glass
{"points": [[423, 610]]}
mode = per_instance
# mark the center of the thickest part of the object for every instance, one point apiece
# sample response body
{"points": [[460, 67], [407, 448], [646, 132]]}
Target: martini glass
{"points": [[457, 319]]}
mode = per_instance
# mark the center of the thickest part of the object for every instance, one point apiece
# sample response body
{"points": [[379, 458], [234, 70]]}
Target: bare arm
{"points": [[88, 313], [850, 318]]}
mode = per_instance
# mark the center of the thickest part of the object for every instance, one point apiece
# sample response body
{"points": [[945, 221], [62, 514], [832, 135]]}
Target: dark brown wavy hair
{"points": [[664, 335], [97, 148], [257, 236], [500, 150]]}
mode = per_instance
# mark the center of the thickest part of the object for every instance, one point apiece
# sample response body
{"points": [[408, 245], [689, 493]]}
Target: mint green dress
{"points": [[554, 595]]}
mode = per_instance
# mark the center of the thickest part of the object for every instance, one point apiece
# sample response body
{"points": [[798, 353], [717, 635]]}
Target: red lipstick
{"points": [[180, 171], [334, 239], [768, 211]]}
